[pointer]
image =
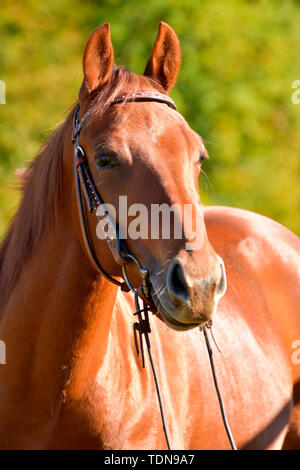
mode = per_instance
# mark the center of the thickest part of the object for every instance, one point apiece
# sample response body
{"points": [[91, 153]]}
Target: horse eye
{"points": [[201, 157], [103, 161]]}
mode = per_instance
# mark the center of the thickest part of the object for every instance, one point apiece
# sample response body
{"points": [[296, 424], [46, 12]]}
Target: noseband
{"points": [[84, 182]]}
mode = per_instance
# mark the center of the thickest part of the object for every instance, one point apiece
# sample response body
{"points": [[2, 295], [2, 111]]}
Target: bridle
{"points": [[84, 179], [84, 183]]}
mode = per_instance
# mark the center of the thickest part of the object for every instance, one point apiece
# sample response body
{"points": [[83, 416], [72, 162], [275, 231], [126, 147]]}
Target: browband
{"points": [[145, 96], [137, 96]]}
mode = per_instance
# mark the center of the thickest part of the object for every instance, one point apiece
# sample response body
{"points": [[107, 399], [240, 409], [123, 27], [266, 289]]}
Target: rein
{"points": [[84, 183]]}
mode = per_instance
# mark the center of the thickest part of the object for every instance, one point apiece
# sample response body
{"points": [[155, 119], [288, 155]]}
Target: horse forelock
{"points": [[121, 81]]}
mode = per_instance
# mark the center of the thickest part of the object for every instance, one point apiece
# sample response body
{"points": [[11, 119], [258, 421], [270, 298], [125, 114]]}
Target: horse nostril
{"points": [[176, 282]]}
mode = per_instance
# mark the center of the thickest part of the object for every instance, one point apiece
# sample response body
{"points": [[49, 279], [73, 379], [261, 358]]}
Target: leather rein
{"points": [[84, 183]]}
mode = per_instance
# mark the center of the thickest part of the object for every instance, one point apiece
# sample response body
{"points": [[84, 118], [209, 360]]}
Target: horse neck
{"points": [[56, 323]]}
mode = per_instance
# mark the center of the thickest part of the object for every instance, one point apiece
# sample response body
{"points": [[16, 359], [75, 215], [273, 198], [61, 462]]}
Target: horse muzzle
{"points": [[187, 300]]}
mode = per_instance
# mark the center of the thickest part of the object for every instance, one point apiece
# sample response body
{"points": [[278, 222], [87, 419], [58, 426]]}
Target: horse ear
{"points": [[164, 63], [98, 58]]}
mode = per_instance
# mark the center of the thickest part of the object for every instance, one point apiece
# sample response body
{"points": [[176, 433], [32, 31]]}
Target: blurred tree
{"points": [[240, 59]]}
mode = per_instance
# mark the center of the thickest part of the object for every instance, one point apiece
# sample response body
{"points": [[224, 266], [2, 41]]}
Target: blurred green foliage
{"points": [[239, 59]]}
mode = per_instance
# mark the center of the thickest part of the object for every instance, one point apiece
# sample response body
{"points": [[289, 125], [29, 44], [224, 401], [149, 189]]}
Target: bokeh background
{"points": [[240, 59]]}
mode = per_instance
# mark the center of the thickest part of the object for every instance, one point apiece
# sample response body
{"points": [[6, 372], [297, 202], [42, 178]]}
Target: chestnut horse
{"points": [[72, 379]]}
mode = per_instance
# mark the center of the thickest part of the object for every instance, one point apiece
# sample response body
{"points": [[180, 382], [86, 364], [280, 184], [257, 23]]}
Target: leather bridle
{"points": [[84, 182]]}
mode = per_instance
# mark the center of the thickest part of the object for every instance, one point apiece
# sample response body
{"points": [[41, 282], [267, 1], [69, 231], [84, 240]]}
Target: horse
{"points": [[72, 378]]}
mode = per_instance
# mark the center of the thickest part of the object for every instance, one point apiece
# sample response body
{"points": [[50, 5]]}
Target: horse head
{"points": [[142, 153]]}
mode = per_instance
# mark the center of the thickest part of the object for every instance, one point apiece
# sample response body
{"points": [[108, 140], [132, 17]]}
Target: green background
{"points": [[235, 86]]}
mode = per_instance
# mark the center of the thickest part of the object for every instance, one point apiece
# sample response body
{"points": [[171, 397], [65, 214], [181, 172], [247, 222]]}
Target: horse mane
{"points": [[41, 186]]}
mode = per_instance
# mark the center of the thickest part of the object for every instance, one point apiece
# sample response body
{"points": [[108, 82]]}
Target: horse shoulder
{"points": [[267, 255], [241, 223], [255, 239]]}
